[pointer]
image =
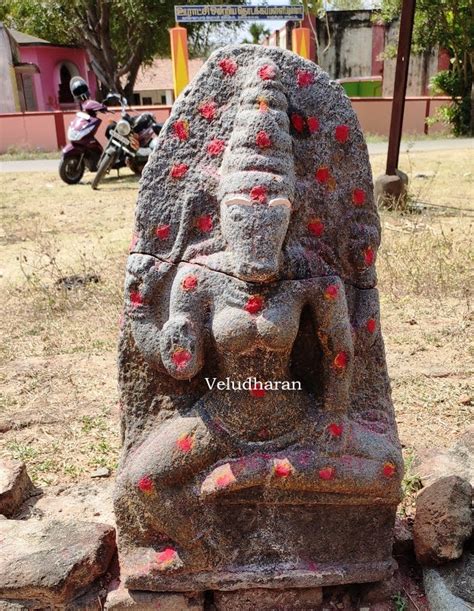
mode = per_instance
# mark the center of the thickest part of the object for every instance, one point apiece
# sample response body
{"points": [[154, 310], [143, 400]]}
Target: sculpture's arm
{"points": [[181, 341], [328, 303]]}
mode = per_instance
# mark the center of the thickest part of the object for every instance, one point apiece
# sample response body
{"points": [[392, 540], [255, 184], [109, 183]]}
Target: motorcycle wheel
{"points": [[71, 169], [105, 164]]}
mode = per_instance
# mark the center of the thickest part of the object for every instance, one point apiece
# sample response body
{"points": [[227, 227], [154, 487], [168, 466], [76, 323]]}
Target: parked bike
{"points": [[131, 142]]}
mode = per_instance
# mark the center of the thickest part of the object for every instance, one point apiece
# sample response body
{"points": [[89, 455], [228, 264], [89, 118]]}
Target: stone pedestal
{"points": [[391, 191]]}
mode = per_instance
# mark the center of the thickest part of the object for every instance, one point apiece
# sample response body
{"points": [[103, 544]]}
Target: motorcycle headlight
{"points": [[123, 127]]}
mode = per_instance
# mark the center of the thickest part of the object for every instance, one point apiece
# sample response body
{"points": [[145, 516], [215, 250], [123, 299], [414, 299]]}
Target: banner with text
{"points": [[229, 12]]}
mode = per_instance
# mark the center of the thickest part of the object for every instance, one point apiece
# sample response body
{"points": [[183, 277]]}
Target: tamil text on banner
{"points": [[228, 12]]}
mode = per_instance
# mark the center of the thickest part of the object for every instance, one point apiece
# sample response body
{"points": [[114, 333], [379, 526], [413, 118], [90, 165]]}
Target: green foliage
{"points": [[120, 35], [448, 24], [257, 32], [400, 602]]}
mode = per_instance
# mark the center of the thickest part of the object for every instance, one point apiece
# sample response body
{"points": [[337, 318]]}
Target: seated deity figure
{"points": [[259, 440]]}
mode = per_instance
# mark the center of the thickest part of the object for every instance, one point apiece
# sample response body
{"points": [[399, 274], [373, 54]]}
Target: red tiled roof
{"points": [[159, 74]]}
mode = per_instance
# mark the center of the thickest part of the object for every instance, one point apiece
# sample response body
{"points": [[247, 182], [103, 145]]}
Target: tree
{"points": [[119, 35], [257, 32], [448, 24]]}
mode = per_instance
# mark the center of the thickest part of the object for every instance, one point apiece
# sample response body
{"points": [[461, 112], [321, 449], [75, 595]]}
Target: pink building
{"points": [[48, 88]]}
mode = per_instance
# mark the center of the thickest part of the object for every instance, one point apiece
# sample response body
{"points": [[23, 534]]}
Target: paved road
{"points": [[375, 148]]}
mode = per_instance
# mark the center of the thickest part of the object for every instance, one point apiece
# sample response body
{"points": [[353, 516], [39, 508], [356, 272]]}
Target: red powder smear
{"points": [[136, 299], [282, 467], [313, 124], [369, 256], [166, 557], [316, 227], [335, 429], [215, 147], [254, 304], [341, 360], [179, 170], [358, 197], [371, 325], [388, 469], [133, 242], [181, 358], [297, 121], [224, 480], [228, 66], [341, 133], [189, 283], [312, 566], [262, 140], [258, 390], [208, 110], [145, 484], [266, 72], [181, 129], [204, 223], [322, 175], [185, 443], [304, 78], [162, 232], [331, 291], [327, 473], [258, 194]]}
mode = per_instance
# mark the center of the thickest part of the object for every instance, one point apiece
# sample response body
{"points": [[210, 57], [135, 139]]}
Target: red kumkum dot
{"points": [[335, 429], [266, 72], [146, 484], [254, 304], [258, 194], [369, 256], [322, 175], [341, 133], [189, 283], [262, 140], [257, 390], [215, 147], [228, 66], [304, 78], [283, 468], [136, 299], [298, 122], [327, 473], [316, 227], [185, 444], [167, 556], [341, 359], [162, 232], [181, 129], [181, 358], [313, 124], [388, 469], [331, 291], [204, 223], [179, 170], [371, 325], [358, 197], [225, 480], [208, 110]]}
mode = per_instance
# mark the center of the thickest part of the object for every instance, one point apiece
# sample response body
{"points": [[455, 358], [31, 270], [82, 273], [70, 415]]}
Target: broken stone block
{"points": [[451, 586], [15, 486], [121, 598], [268, 600], [53, 562], [443, 520]]}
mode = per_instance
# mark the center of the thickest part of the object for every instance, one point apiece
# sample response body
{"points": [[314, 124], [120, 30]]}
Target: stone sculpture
{"points": [[253, 261]]}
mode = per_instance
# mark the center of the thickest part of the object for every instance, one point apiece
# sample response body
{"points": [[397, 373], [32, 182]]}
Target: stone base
{"points": [[287, 546], [390, 191], [268, 600], [121, 598]]}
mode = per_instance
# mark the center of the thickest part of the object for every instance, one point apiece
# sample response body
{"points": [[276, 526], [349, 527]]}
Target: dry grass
{"points": [[58, 403]]}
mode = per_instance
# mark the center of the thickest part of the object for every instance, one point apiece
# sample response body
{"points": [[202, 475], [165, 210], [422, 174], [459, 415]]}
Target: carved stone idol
{"points": [[259, 442]]}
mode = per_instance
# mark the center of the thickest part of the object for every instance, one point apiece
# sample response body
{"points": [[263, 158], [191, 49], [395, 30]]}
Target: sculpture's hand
{"points": [[181, 348]]}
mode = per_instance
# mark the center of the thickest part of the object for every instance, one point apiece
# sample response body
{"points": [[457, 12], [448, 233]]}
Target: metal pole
{"points": [[400, 86]]}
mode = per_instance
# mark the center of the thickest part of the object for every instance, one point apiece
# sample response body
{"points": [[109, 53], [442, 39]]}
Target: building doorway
{"points": [[66, 71]]}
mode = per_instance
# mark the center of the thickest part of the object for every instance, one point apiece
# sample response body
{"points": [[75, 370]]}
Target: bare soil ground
{"points": [[63, 251]]}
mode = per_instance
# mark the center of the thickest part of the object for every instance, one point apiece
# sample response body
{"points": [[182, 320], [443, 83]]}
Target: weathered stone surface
{"points": [[443, 520], [382, 591], [15, 486], [458, 460], [451, 586], [52, 562], [252, 264], [121, 598], [391, 190], [268, 600], [403, 537]]}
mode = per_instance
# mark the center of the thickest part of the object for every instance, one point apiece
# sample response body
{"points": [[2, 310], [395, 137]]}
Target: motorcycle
{"points": [[130, 142]]}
